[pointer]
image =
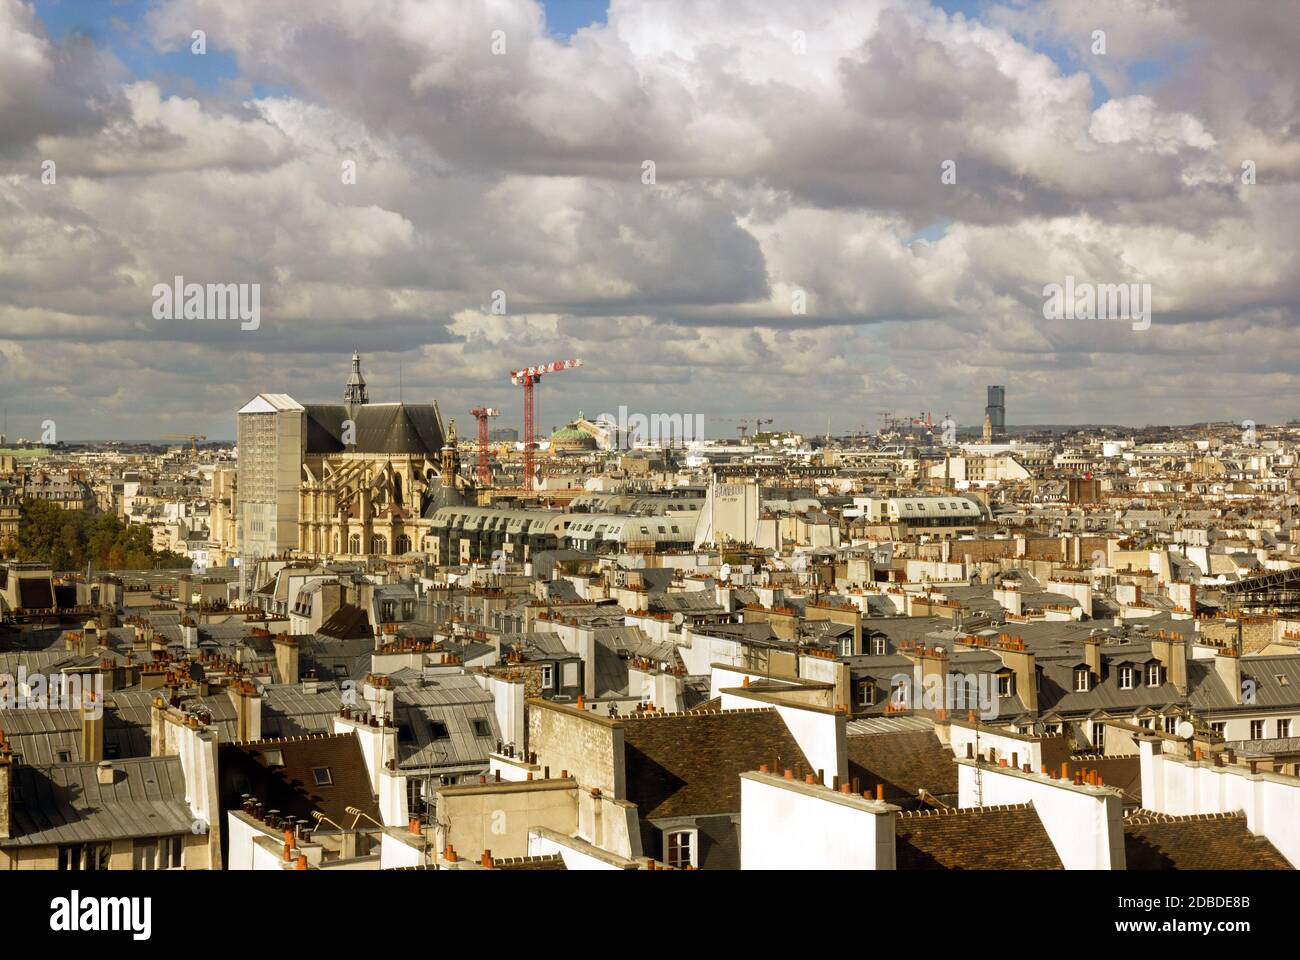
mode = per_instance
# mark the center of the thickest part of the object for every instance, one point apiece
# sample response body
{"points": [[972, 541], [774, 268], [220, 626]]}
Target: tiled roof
{"points": [[1155, 841], [689, 764], [976, 838], [346, 623], [904, 763], [287, 782]]}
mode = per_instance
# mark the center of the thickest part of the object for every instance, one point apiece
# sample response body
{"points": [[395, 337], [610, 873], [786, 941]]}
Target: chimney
{"points": [[1171, 651], [248, 710], [92, 728], [1228, 666], [6, 788], [331, 598], [1025, 667], [1092, 654], [106, 773], [286, 658], [931, 663]]}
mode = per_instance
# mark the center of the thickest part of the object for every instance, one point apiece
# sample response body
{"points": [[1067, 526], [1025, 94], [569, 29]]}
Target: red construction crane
{"points": [[482, 414], [528, 378]]}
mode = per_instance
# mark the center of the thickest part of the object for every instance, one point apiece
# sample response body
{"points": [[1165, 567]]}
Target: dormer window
{"points": [[878, 646], [1006, 684], [1082, 680], [1126, 678], [1153, 675]]}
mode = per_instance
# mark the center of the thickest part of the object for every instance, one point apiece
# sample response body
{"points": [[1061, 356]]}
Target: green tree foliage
{"points": [[69, 539]]}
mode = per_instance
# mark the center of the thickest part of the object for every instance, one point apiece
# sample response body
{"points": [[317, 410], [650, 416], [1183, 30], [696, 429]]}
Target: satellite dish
{"points": [[724, 574], [679, 618], [1185, 729]]}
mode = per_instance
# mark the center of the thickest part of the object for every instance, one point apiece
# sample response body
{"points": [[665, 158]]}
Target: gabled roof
{"points": [[904, 763], [1220, 841], [689, 764], [281, 773], [974, 838], [391, 428], [348, 622]]}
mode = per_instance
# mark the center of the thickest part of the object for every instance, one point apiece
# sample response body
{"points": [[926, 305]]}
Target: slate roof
{"points": [[689, 764], [66, 803], [975, 838], [1220, 841], [392, 428]]}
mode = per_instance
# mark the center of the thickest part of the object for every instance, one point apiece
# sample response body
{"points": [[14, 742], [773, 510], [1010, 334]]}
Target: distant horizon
{"points": [[1012, 430]]}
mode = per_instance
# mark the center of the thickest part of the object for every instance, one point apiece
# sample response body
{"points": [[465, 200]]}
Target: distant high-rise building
{"points": [[996, 411]]}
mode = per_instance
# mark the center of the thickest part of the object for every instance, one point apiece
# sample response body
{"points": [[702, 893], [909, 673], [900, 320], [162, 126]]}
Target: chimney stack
{"points": [[6, 788], [1171, 651], [92, 728]]}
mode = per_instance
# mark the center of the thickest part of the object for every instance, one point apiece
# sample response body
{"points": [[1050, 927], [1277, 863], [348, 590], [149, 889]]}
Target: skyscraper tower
{"points": [[996, 412]]}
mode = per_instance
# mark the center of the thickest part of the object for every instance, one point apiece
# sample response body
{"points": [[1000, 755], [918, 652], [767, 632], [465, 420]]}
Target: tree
{"points": [[69, 539]]}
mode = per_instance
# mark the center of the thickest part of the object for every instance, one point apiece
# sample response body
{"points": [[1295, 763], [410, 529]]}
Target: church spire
{"points": [[356, 389]]}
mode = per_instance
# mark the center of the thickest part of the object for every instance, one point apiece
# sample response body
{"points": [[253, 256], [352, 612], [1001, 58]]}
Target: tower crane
{"points": [[482, 415], [528, 378]]}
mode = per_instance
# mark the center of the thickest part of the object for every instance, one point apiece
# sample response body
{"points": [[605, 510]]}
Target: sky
{"points": [[813, 213]]}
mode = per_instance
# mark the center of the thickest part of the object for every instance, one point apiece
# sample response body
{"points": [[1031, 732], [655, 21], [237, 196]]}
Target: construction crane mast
{"points": [[528, 378], [482, 415], [193, 438]]}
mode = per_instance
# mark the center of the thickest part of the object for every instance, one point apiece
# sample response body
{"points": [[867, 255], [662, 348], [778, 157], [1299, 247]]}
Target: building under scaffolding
{"points": [[1277, 591]]}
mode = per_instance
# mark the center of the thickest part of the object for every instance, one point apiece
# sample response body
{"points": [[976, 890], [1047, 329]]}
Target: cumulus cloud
{"points": [[400, 172]]}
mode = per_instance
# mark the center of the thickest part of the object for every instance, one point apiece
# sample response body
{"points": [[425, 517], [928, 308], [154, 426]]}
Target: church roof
{"points": [[390, 428]]}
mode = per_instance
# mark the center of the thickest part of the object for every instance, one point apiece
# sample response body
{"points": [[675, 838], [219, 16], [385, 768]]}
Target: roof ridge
{"points": [[967, 811], [1144, 816], [664, 715]]}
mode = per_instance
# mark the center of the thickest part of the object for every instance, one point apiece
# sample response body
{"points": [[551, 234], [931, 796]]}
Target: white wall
{"points": [[821, 735], [1178, 786], [1029, 751], [394, 853], [1085, 823], [788, 825]]}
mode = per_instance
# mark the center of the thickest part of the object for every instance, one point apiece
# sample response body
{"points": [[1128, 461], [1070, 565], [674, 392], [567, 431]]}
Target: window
{"points": [[157, 853], [438, 730], [322, 776], [1217, 728], [1126, 678], [1284, 728], [679, 849], [481, 728], [1098, 734], [1081, 680], [1171, 725], [87, 856], [866, 694], [1006, 685], [547, 677], [414, 794], [1257, 729], [1153, 674], [878, 646], [273, 758]]}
